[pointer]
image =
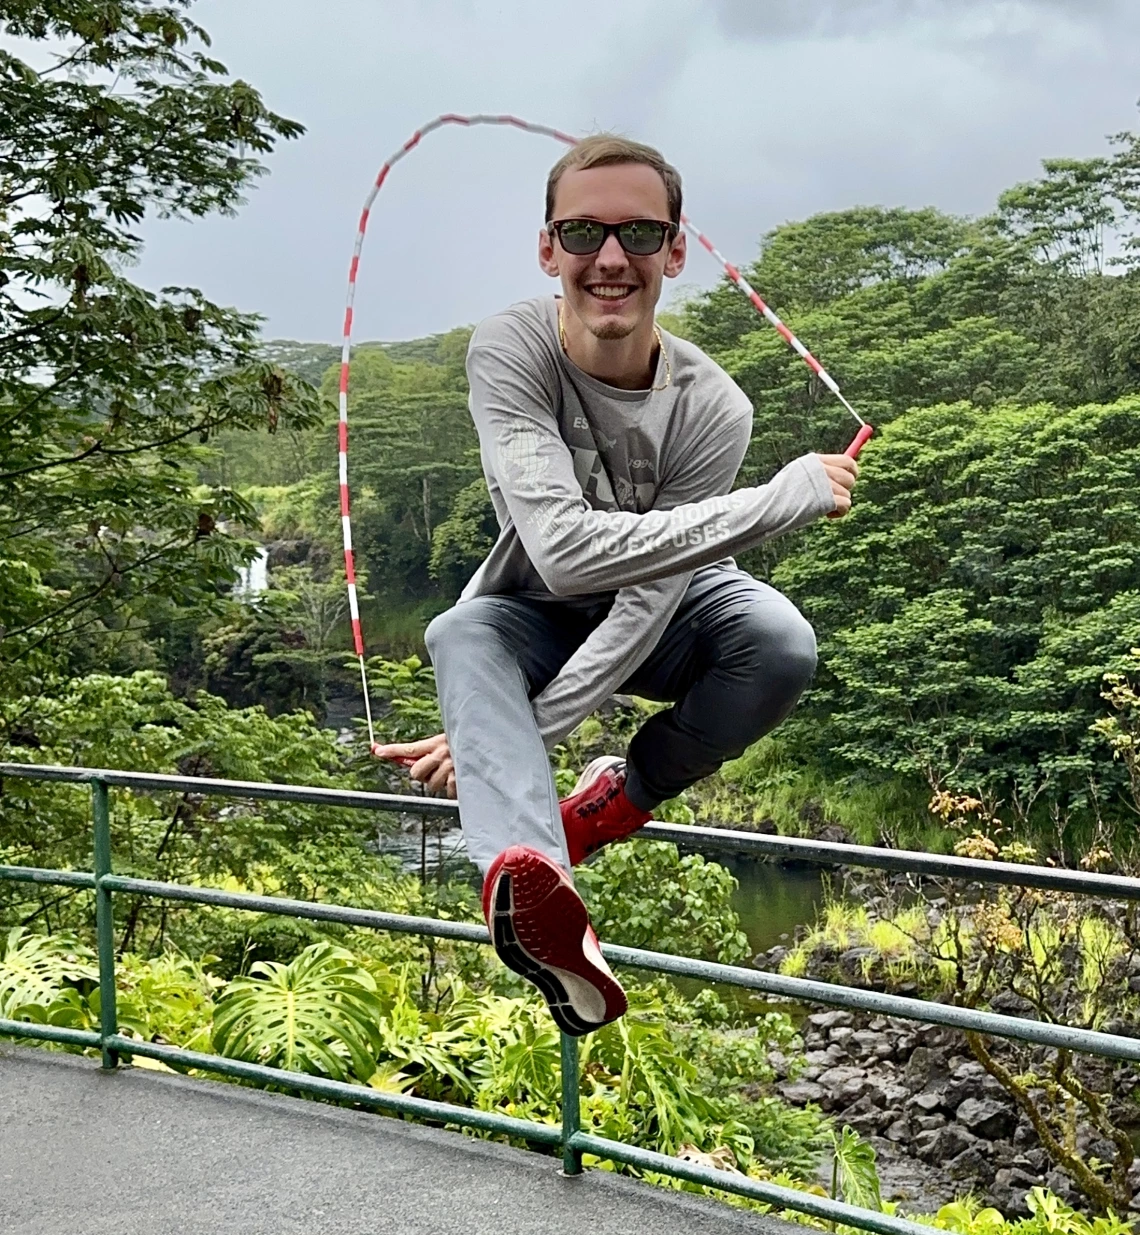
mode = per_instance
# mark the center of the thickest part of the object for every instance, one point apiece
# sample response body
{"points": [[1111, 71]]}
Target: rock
{"points": [[973, 1164], [986, 1118], [800, 1093], [929, 1100], [850, 1091], [927, 1123], [864, 1043], [943, 1144], [840, 1034], [826, 1021], [922, 1067], [778, 1062], [898, 1130]]}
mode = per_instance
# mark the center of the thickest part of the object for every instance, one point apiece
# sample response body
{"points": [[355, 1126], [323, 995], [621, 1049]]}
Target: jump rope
{"points": [[733, 273]]}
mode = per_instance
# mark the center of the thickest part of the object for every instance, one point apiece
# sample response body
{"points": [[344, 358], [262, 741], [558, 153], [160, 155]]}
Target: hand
{"points": [[433, 767], [842, 472]]}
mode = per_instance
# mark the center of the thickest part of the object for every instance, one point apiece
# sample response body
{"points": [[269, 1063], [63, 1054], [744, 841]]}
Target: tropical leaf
{"points": [[318, 1014], [35, 969], [854, 1172]]}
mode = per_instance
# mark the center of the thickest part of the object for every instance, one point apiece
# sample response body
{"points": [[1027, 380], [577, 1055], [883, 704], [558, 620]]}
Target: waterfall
{"points": [[254, 578]]}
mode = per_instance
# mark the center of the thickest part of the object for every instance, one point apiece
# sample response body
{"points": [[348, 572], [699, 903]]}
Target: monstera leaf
{"points": [[318, 1014], [854, 1172], [34, 970]]}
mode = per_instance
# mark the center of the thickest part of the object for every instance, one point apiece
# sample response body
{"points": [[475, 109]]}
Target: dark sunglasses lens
{"points": [[641, 237], [581, 236]]}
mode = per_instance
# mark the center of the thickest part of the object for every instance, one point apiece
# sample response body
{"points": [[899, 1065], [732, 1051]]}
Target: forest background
{"points": [[972, 611]]}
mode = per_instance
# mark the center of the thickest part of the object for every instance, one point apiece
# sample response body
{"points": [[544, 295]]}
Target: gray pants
{"points": [[733, 661]]}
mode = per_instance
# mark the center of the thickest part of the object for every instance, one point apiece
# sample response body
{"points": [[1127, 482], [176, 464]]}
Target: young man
{"points": [[610, 449]]}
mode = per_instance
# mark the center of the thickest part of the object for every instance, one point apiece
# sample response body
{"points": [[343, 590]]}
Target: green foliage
{"points": [[965, 614], [317, 1014], [854, 1176], [648, 896], [36, 969], [1048, 1215], [136, 722], [108, 390]]}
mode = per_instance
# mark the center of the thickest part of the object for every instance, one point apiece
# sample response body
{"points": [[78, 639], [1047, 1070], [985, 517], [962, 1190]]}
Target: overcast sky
{"points": [[772, 110]]}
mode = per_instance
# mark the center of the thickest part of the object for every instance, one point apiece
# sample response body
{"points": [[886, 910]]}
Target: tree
{"points": [[967, 608], [107, 390]]}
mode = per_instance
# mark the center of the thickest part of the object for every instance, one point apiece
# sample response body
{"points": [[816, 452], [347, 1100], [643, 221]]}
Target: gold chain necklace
{"points": [[656, 334]]}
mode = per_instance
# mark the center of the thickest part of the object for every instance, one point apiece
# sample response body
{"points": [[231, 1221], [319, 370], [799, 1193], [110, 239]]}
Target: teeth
{"points": [[610, 293]]}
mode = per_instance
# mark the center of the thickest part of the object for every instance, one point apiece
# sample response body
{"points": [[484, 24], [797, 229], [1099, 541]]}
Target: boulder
{"points": [[825, 1021], [942, 1144], [973, 1165], [985, 1117], [800, 1093], [928, 1123]]}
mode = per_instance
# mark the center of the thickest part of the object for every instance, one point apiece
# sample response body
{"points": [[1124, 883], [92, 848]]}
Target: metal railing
{"points": [[569, 1137]]}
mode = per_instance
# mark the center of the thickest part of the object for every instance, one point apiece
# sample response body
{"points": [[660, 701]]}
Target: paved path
{"points": [[138, 1152]]}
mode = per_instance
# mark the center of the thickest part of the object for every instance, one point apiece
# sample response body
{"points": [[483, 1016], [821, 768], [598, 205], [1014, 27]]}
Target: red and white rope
{"points": [[346, 346]]}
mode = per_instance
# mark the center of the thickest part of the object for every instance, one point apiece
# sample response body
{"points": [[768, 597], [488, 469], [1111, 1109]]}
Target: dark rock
{"points": [[973, 1164], [825, 1021], [929, 1100], [800, 1093], [840, 1035], [1009, 1190], [898, 1130], [943, 1143], [985, 1117], [927, 1123]]}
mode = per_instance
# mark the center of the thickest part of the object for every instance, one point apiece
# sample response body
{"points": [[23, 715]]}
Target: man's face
{"points": [[611, 292]]}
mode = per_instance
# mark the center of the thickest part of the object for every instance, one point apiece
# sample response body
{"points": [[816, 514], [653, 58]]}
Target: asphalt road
{"points": [[138, 1152]]}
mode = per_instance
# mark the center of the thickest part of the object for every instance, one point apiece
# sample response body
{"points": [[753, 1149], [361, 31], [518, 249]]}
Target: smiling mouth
{"points": [[610, 291]]}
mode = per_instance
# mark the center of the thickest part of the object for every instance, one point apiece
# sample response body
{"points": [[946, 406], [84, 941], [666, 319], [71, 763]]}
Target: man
{"points": [[610, 449]]}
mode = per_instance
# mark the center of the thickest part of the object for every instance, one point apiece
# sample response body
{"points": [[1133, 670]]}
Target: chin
{"points": [[611, 328]]}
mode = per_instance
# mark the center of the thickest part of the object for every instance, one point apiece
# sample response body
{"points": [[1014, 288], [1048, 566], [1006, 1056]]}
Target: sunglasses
{"points": [[638, 237]]}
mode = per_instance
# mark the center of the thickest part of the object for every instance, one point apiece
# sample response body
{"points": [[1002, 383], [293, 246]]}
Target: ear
{"points": [[675, 261], [547, 254]]}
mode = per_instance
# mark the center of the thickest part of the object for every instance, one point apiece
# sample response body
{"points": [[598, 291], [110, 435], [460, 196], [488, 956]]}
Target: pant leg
{"points": [[734, 660], [491, 654]]}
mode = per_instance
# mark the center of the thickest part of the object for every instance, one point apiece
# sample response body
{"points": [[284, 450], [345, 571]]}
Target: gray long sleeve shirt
{"points": [[609, 495]]}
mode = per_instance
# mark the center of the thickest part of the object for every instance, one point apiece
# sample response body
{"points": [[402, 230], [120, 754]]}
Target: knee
{"points": [[779, 646], [455, 627], [463, 629]]}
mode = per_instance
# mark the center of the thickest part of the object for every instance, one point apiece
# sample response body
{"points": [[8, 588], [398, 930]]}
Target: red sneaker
{"points": [[597, 810], [540, 929]]}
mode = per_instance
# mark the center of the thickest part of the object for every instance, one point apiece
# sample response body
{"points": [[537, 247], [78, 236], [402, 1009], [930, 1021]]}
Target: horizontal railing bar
{"points": [[266, 790], [725, 840], [401, 1104], [803, 990], [346, 915], [48, 1033], [907, 860], [806, 990], [743, 1185], [38, 874]]}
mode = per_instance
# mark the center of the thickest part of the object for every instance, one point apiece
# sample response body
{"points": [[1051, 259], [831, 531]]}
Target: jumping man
{"points": [[610, 449]]}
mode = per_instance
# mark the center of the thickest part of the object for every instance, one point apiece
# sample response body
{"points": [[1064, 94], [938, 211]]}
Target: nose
{"points": [[611, 256]]}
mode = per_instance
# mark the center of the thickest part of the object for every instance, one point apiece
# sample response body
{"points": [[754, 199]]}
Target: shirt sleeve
{"points": [[637, 619], [578, 550]]}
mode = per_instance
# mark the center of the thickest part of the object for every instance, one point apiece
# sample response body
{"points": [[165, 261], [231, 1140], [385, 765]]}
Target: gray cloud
{"points": [[768, 19], [854, 102]]}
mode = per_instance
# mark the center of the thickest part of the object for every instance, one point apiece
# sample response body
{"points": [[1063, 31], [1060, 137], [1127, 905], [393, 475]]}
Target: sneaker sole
{"points": [[559, 974]]}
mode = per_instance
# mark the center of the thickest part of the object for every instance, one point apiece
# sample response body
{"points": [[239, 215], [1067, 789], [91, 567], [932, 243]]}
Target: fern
{"points": [[318, 1014]]}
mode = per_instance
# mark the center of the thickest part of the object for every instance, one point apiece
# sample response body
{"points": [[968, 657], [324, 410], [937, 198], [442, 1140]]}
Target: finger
{"points": [[452, 792], [839, 476], [424, 769], [438, 782]]}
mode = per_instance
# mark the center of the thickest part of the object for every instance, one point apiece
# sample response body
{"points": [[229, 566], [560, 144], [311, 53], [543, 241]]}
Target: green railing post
{"points": [[571, 1157], [104, 921]]}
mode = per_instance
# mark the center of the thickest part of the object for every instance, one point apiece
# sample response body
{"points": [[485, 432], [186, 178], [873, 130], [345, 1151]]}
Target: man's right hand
{"points": [[433, 767], [842, 472]]}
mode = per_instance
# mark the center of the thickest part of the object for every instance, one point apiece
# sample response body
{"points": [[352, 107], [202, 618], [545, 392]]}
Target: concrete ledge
{"points": [[137, 1152]]}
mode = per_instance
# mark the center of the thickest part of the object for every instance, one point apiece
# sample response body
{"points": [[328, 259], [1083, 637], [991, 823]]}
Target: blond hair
{"points": [[607, 149]]}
